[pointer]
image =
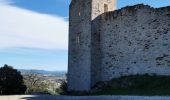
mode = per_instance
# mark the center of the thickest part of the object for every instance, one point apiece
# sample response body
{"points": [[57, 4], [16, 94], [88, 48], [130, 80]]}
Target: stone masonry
{"points": [[105, 43]]}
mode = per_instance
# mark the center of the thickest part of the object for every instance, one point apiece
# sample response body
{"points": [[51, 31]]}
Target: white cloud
{"points": [[24, 28], [2, 2]]}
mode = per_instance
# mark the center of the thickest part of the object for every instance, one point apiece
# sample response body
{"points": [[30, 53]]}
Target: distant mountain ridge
{"points": [[43, 72]]}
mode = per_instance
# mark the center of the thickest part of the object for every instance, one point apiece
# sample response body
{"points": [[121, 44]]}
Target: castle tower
{"points": [[82, 13]]}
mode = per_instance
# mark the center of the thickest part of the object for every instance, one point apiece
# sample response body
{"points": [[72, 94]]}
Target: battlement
{"points": [[131, 10]]}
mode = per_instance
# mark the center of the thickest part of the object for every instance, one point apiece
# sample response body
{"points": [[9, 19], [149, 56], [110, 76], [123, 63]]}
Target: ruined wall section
{"points": [[134, 40]]}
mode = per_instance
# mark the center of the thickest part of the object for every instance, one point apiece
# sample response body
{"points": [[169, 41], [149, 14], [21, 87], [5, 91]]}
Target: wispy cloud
{"points": [[4, 2], [24, 28]]}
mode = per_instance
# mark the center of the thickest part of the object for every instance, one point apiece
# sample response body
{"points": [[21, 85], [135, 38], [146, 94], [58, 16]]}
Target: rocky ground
{"points": [[53, 97]]}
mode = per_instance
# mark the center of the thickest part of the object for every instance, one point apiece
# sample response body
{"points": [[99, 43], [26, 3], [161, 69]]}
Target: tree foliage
{"points": [[63, 88], [35, 84], [11, 81]]}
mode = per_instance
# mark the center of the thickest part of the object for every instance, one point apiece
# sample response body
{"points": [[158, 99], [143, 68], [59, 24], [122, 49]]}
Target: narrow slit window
{"points": [[78, 38], [79, 13], [105, 7], [98, 7]]}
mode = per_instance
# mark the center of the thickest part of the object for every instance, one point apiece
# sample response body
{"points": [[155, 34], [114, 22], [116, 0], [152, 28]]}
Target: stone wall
{"points": [[133, 40], [79, 65], [97, 10]]}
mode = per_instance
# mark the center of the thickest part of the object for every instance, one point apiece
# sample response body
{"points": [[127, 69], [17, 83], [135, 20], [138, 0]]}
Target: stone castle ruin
{"points": [[105, 43]]}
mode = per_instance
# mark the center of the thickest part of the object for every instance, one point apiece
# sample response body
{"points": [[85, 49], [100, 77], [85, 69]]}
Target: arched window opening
{"points": [[105, 7]]}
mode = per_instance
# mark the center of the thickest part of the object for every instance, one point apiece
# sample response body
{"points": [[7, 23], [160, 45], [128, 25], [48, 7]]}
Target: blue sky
{"points": [[34, 33]]}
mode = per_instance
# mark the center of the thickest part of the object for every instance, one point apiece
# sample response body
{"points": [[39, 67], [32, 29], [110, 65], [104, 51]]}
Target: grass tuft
{"points": [[136, 85]]}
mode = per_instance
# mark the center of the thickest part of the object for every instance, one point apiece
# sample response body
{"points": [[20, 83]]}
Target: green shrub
{"points": [[63, 88], [11, 81], [137, 85]]}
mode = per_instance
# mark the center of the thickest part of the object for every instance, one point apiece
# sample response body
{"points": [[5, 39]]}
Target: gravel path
{"points": [[52, 97]]}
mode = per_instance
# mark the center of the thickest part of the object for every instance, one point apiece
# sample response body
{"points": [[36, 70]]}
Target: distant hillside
{"points": [[43, 72]]}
